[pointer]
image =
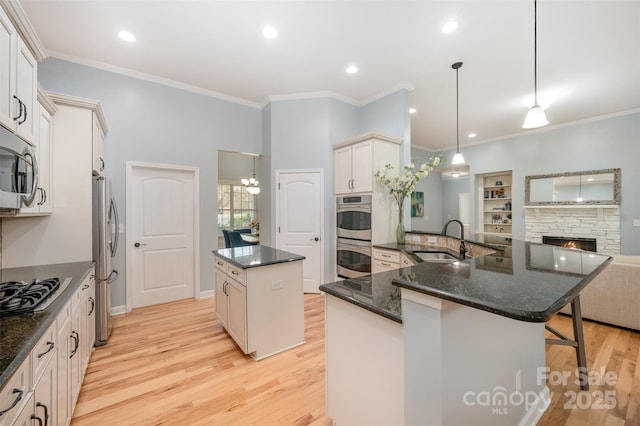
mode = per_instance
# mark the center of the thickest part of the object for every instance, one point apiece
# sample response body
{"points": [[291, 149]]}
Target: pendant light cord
{"points": [[535, 52], [457, 118]]}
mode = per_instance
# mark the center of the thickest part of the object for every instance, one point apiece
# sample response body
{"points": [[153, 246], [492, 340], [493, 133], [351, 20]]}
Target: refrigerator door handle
{"points": [[112, 276], [116, 237]]}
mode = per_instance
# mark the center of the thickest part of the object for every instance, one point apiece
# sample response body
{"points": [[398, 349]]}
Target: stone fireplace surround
{"points": [[594, 221]]}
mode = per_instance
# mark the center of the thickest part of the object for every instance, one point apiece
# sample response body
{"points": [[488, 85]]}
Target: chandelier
{"points": [[252, 184]]}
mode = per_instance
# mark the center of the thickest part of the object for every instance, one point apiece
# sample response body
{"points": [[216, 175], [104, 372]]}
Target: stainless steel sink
{"points": [[436, 257]]}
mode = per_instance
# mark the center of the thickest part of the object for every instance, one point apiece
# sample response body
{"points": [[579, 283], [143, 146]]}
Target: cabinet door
{"points": [[221, 298], [45, 394], [342, 170], [45, 125], [89, 322], [8, 36], [24, 418], [63, 394], [98, 146], [26, 91], [362, 167], [75, 357], [406, 261], [237, 313], [382, 266]]}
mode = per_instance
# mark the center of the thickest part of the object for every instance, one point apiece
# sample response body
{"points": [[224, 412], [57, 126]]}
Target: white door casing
{"points": [[300, 221], [163, 217]]}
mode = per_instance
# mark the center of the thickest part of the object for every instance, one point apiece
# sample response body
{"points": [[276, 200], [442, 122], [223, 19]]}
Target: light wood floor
{"points": [[172, 364]]}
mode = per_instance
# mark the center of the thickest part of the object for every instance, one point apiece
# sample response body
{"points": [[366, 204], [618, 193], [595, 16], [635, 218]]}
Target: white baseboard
{"points": [[207, 293], [118, 310]]}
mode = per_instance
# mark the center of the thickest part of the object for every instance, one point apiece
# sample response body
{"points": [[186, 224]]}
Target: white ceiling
{"points": [[588, 53]]}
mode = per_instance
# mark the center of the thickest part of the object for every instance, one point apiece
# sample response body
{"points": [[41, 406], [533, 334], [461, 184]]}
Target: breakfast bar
{"points": [[465, 344]]}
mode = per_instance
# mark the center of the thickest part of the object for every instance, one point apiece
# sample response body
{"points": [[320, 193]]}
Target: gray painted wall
{"points": [[149, 122], [432, 186], [607, 142]]}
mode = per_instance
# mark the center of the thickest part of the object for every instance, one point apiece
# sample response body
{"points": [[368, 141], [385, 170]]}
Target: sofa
{"points": [[613, 297]]}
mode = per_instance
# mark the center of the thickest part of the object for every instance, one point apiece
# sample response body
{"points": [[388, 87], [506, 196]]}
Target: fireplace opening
{"points": [[586, 244]]}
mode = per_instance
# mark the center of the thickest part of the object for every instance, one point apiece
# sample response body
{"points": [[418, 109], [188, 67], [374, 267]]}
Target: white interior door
{"points": [[299, 221], [161, 239]]}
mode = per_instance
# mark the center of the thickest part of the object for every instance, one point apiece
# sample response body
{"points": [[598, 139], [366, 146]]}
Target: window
{"points": [[236, 207]]}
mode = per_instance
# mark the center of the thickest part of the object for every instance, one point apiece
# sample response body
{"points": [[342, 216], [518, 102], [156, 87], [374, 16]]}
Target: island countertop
{"points": [[253, 256], [541, 281]]}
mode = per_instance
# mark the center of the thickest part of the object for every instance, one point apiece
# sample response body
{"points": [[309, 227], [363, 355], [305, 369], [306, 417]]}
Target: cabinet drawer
{"points": [[221, 265], [387, 255], [63, 317], [43, 352], [236, 273], [15, 392]]}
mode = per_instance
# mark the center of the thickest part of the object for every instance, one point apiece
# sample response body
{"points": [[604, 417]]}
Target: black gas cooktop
{"points": [[20, 298]]}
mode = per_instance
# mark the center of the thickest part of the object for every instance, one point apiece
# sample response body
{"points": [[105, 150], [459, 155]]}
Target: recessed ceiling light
{"points": [[590, 180], [126, 36], [472, 135], [269, 32], [450, 27], [352, 69], [412, 110]]}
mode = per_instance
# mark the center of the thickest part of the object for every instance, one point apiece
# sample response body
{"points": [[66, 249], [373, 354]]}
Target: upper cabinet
{"points": [[98, 146], [19, 74], [42, 204], [356, 161]]}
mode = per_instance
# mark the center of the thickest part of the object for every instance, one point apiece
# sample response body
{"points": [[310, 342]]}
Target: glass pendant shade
{"points": [[457, 158], [535, 118]]}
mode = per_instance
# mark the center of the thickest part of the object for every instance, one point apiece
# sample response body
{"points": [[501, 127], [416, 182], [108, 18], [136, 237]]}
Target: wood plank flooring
{"points": [[172, 364]]}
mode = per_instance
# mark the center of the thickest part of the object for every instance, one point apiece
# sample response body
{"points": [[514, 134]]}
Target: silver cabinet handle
{"points": [[139, 244]]}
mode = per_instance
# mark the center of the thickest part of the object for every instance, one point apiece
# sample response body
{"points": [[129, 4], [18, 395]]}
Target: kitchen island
{"points": [[449, 343], [259, 298]]}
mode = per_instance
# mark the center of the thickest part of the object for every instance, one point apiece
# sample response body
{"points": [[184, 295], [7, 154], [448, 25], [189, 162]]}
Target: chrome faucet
{"points": [[463, 247]]}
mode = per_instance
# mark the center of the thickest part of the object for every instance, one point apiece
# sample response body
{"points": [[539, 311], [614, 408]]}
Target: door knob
{"points": [[139, 244], [315, 239]]}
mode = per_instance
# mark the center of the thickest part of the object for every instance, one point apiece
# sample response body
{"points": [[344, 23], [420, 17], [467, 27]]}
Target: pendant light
{"points": [[457, 157], [536, 116], [252, 183]]}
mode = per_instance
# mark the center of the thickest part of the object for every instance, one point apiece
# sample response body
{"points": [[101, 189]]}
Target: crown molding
{"points": [[19, 19], [367, 136], [154, 79], [75, 101], [402, 86], [45, 100]]}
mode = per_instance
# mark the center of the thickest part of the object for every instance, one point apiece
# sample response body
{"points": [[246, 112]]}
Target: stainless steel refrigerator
{"points": [[105, 245]]}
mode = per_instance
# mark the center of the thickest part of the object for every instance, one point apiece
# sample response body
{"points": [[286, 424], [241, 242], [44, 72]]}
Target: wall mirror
{"points": [[574, 188]]}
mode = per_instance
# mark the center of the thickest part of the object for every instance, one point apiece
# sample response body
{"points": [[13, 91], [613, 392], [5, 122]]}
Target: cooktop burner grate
{"points": [[19, 298]]}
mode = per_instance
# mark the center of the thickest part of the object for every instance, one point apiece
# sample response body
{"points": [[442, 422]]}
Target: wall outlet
{"points": [[275, 285], [636, 222]]}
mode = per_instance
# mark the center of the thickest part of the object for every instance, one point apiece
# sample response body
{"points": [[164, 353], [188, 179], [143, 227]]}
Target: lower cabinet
{"points": [[262, 308], [388, 260], [231, 307], [45, 387]]}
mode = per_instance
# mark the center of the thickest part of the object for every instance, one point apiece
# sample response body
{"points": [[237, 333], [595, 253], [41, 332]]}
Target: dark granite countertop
{"points": [[253, 256], [539, 281], [19, 334]]}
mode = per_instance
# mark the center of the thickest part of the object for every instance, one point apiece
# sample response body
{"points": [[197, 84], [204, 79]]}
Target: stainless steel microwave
{"points": [[18, 172]]}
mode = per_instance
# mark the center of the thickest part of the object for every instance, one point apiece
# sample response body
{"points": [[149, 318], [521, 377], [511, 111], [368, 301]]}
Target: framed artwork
{"points": [[417, 204]]}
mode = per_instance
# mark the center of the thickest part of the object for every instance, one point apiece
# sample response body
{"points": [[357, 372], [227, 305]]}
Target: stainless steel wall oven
{"points": [[353, 229], [353, 258], [353, 217]]}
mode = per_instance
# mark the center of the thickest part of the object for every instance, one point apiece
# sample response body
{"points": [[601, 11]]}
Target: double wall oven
{"points": [[353, 231]]}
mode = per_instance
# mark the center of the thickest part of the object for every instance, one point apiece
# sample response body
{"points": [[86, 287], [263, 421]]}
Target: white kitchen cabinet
{"points": [[66, 235], [89, 319], [388, 260], [44, 392], [18, 82], [65, 344], [98, 136], [357, 160], [231, 303], [15, 395], [43, 202], [262, 308]]}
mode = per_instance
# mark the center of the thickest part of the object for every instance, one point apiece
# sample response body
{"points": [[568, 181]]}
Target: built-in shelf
{"points": [[576, 206], [495, 209]]}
